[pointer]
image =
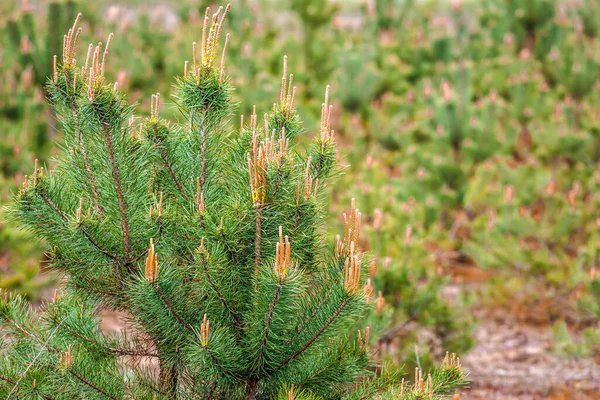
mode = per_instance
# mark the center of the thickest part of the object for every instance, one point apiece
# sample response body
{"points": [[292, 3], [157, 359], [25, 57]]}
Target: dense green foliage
{"points": [[207, 239]]}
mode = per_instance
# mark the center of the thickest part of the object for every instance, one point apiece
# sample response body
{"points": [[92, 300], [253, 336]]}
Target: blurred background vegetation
{"points": [[471, 131]]}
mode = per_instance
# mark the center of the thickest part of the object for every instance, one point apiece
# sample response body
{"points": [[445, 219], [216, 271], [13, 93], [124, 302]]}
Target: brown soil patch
{"points": [[515, 361]]}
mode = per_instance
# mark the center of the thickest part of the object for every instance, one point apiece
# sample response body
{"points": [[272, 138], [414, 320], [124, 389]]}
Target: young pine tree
{"points": [[206, 240]]}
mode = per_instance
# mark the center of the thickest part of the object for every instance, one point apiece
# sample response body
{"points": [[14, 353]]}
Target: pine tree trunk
{"points": [[168, 377], [251, 389]]}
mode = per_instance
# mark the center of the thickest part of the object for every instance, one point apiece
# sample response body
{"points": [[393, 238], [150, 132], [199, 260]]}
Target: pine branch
{"points": [[97, 245], [62, 215], [203, 153], [277, 181], [108, 349], [218, 364], [269, 318], [320, 164], [118, 187], [235, 317], [86, 286], [44, 347], [325, 298], [258, 238], [296, 223], [316, 335], [21, 329], [168, 377], [90, 384], [168, 165], [152, 388], [86, 161], [92, 180], [165, 300]]}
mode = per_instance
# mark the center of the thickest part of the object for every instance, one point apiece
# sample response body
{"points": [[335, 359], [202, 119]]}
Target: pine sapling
{"points": [[208, 242]]}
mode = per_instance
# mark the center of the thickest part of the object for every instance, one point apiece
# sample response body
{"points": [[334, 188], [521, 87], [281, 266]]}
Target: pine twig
{"points": [[316, 335], [171, 308], [169, 166], [86, 382], [119, 189], [258, 238], [86, 162], [34, 359], [268, 321], [53, 206], [235, 317]]}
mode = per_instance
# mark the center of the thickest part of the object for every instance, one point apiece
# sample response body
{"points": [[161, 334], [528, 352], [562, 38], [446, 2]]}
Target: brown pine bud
{"points": [[35, 172], [80, 210], [66, 358], [372, 267], [451, 361], [352, 224], [551, 187], [427, 89], [363, 342], [430, 386], [282, 256], [368, 290], [493, 96], [377, 219], [446, 91], [408, 235], [151, 267], [159, 207], [380, 303], [571, 196], [352, 271], [199, 197], [509, 193], [204, 331], [492, 221], [387, 263]]}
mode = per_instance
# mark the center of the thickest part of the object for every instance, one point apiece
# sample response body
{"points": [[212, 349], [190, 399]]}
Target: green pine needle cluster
{"points": [[208, 241]]}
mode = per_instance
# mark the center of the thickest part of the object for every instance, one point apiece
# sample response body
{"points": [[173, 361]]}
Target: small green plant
{"points": [[528, 18]]}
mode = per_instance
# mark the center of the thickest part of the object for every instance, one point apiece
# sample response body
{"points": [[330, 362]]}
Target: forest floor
{"points": [[512, 360]]}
